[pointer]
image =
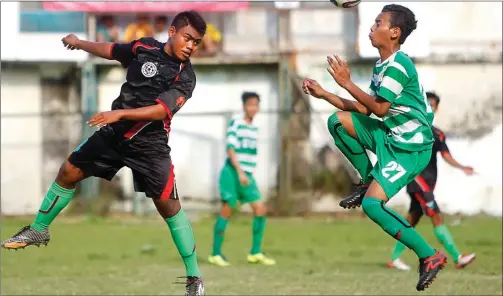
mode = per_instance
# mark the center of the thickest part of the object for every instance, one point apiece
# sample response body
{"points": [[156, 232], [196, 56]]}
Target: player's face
{"points": [[184, 42], [251, 107], [381, 32], [433, 104]]}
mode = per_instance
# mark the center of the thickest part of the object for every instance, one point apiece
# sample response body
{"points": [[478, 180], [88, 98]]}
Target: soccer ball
{"points": [[345, 3]]}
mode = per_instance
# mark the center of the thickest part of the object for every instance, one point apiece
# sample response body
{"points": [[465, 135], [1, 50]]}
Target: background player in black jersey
{"points": [[134, 134], [423, 200]]}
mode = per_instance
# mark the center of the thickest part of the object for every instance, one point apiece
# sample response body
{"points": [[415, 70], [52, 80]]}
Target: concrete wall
{"points": [[21, 140]]}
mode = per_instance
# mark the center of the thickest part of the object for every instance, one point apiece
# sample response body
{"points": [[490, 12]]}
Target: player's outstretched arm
{"points": [[150, 113], [446, 154], [341, 74], [313, 88], [99, 49]]}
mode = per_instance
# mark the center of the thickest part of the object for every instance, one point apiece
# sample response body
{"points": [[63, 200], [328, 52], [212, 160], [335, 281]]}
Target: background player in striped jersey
{"points": [[423, 201], [238, 184], [402, 141]]}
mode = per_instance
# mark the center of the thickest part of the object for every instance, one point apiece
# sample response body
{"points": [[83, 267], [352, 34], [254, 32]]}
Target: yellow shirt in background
{"points": [[135, 31]]}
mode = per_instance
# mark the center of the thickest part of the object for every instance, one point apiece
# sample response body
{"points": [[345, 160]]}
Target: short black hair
{"points": [[434, 96], [403, 18], [248, 95], [190, 18]]}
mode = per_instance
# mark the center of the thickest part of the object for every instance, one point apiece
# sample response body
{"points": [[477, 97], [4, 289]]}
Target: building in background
{"points": [[48, 92]]}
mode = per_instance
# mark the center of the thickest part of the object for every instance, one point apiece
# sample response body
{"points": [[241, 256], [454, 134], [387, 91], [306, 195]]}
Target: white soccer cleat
{"points": [[464, 260], [398, 264]]}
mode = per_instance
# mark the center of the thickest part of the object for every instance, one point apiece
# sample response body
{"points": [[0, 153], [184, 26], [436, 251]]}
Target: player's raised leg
{"points": [[340, 127], [56, 199], [80, 164], [415, 214], [430, 261]]}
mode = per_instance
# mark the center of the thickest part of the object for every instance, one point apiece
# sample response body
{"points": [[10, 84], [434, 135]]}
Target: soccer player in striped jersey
{"points": [[237, 183], [402, 140], [423, 201]]}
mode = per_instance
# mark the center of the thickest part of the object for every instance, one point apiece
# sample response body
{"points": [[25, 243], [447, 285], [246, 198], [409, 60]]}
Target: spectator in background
{"points": [[161, 28], [106, 30], [142, 28], [212, 42]]}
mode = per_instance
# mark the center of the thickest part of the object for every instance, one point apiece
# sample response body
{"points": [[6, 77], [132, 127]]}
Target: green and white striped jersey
{"points": [[410, 116], [242, 138]]}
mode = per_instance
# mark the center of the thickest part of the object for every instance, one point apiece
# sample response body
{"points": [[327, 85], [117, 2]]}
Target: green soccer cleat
{"points": [[260, 258], [26, 237], [218, 260]]}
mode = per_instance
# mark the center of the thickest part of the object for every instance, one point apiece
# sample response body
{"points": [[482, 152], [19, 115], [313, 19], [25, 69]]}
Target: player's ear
{"points": [[395, 32], [171, 31]]}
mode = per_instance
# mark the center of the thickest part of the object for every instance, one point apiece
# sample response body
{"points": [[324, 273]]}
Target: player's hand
{"points": [[104, 118], [339, 70], [468, 170], [243, 179], [313, 88], [70, 41]]}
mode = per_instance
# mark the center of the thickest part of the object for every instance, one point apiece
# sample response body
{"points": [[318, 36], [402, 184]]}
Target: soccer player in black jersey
{"points": [[423, 200], [134, 134]]}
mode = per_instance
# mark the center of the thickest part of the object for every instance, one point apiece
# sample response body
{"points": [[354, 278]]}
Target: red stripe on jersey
{"points": [[136, 129], [445, 153], [168, 111], [441, 135], [138, 43], [111, 53], [178, 75]]}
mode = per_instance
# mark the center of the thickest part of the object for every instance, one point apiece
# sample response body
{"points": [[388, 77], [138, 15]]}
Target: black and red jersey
{"points": [[428, 178], [153, 77]]}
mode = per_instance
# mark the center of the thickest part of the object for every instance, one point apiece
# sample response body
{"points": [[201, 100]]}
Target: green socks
{"points": [[55, 200], [396, 226], [182, 235], [350, 147], [218, 235], [397, 251], [258, 234], [443, 235]]}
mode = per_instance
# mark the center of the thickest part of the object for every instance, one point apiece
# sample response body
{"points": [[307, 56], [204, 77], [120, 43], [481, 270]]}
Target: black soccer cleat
{"points": [[355, 199], [26, 237], [194, 286], [429, 269]]}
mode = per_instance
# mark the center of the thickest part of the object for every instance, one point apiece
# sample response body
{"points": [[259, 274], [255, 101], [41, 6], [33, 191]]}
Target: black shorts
{"points": [[103, 155], [421, 193]]}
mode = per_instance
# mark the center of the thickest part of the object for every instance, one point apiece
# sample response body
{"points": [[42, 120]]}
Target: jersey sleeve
{"points": [[178, 93], [231, 138], [394, 80], [126, 52], [123, 52], [372, 89], [442, 145]]}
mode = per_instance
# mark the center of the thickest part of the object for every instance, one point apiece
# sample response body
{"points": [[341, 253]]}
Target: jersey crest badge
{"points": [[149, 69]]}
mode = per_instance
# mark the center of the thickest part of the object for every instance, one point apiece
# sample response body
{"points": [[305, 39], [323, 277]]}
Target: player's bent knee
{"points": [[226, 210], [69, 175]]}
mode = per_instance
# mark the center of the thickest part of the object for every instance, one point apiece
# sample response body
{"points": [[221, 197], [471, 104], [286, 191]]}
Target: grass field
{"points": [[340, 257]]}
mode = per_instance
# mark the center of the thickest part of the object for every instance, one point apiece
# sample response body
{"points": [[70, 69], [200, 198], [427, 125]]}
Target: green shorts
{"points": [[395, 168], [231, 190]]}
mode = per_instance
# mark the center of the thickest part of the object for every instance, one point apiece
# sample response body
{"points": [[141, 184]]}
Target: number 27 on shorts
{"points": [[393, 171]]}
